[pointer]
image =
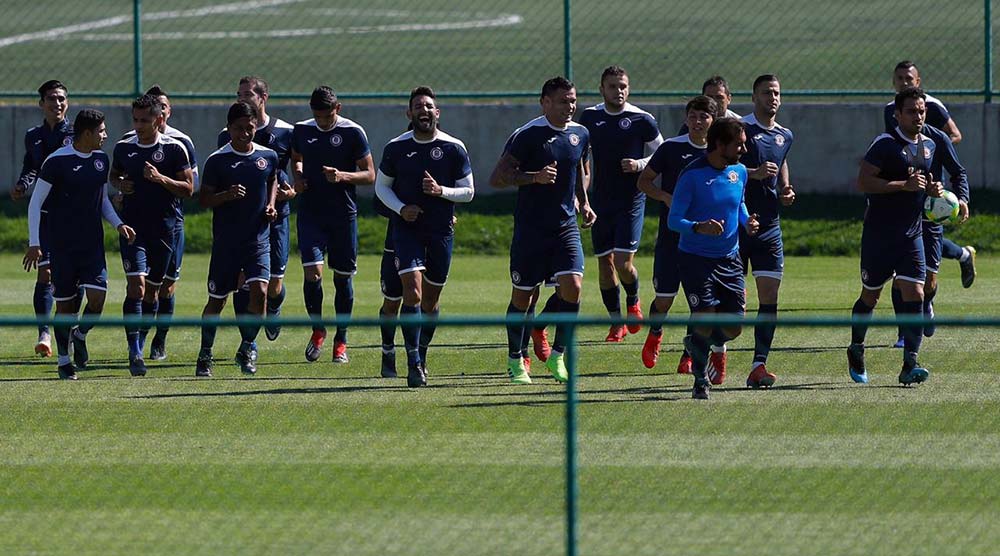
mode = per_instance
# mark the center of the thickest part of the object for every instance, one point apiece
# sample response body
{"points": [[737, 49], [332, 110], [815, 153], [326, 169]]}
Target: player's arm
{"points": [[119, 179], [34, 252], [959, 179], [951, 128], [181, 185], [365, 174], [583, 202], [507, 173], [383, 189], [298, 178], [647, 184], [213, 193], [869, 182], [272, 197], [677, 219], [27, 176], [111, 216], [631, 166], [786, 194]]}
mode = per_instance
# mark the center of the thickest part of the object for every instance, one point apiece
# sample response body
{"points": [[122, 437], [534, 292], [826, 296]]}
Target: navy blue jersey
{"points": [[241, 222], [340, 147], [276, 135], [896, 157], [765, 145], [404, 160], [625, 134], [946, 159], [151, 209], [75, 200], [937, 114], [668, 161], [702, 193], [188, 144], [39, 142], [535, 145]]}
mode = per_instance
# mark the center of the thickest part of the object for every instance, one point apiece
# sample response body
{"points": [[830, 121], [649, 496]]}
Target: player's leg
{"points": [[539, 336], [877, 268], [312, 250], [520, 298], [966, 257], [528, 268], [526, 338], [696, 275], [166, 301], [666, 284], [392, 298], [159, 254], [567, 261], [730, 290], [280, 241], [766, 254], [64, 280], [92, 273], [412, 279], [210, 314], [628, 233], [911, 273], [136, 267], [602, 235], [438, 263], [932, 239], [255, 265], [42, 299], [343, 244]]}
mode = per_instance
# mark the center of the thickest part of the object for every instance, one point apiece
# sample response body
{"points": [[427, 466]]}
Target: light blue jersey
{"points": [[702, 193]]}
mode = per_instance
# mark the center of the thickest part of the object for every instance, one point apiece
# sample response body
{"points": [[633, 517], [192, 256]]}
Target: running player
{"points": [[334, 157], [717, 89], [620, 134]]}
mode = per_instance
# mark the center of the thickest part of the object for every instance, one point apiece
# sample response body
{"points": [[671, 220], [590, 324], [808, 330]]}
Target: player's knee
{"points": [[731, 332], [44, 275], [135, 290], [623, 263], [663, 304], [931, 283], [390, 306], [167, 289], [313, 273], [274, 287]]}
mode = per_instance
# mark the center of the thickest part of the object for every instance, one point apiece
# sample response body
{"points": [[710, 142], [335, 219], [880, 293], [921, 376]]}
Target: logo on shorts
{"points": [[864, 275], [127, 264], [211, 286], [624, 123], [515, 277], [395, 261], [779, 140], [656, 283], [67, 141], [261, 163], [382, 285], [733, 176], [336, 139], [437, 153], [693, 300], [157, 155], [99, 165], [574, 139]]}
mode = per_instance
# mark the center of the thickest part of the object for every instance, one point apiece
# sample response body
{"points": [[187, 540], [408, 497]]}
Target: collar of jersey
{"points": [[265, 124], [625, 108], [899, 132], [752, 120], [253, 149], [693, 144], [73, 150], [437, 132]]}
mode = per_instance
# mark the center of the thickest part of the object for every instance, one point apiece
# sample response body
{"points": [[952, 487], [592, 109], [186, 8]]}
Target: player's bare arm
{"points": [[211, 197], [272, 195], [647, 185], [298, 179], [181, 186], [582, 183], [365, 175], [951, 129], [507, 173], [869, 182], [786, 193], [120, 181]]}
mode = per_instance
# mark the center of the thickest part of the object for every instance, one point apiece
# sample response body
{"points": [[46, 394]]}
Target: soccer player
{"points": [[334, 157], [707, 210], [392, 294], [904, 75], [619, 133], [240, 186], [421, 176], [546, 160], [768, 189], [895, 177], [73, 184], [667, 163], [717, 89], [40, 141], [153, 172], [275, 134]]}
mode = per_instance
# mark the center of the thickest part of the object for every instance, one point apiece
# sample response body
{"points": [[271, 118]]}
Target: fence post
{"points": [[568, 40], [137, 45], [988, 51], [571, 478]]}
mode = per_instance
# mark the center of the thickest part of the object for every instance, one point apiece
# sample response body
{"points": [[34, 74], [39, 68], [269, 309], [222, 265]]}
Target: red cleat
{"points": [[541, 344], [315, 346], [634, 312], [616, 334], [651, 350], [527, 365], [716, 369], [340, 352], [760, 378], [684, 365]]}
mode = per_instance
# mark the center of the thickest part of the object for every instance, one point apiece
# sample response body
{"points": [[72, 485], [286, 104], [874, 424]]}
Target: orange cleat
{"points": [[651, 350], [636, 313], [716, 369], [616, 334], [760, 378], [540, 339], [684, 365]]}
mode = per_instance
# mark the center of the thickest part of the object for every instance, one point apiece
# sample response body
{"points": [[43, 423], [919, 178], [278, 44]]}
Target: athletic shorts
{"points": [[618, 231], [536, 255], [713, 282], [392, 287], [932, 237], [763, 253], [173, 272], [279, 240], [147, 256], [43, 240], [882, 257], [336, 239], [666, 274], [421, 249], [73, 268], [253, 260]]}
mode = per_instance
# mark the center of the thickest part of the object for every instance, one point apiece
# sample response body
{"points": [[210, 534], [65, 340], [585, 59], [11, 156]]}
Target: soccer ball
{"points": [[941, 209]]}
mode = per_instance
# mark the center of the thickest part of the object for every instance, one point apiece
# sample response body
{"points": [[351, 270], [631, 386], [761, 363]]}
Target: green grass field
{"points": [[313, 458]]}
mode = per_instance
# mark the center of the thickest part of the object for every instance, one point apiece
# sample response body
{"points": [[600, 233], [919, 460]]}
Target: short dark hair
{"points": [[258, 84], [156, 91], [556, 84], [148, 102], [905, 64], [421, 91], [703, 103], [908, 93], [613, 71], [766, 78], [323, 98], [241, 109], [50, 85], [723, 132], [715, 81], [87, 120]]}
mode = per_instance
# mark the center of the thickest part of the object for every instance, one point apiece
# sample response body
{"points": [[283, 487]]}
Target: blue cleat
{"points": [[899, 341], [856, 363], [912, 372]]}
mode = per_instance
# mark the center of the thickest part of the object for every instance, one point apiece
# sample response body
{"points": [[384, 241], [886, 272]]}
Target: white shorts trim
{"points": [[70, 298], [873, 288], [152, 283], [277, 276], [565, 272], [247, 281], [93, 287], [526, 288], [412, 269], [173, 279], [46, 262], [345, 273], [400, 298], [766, 274], [603, 253], [618, 250], [220, 295], [670, 295], [388, 250], [136, 274], [441, 285], [909, 279], [314, 263]]}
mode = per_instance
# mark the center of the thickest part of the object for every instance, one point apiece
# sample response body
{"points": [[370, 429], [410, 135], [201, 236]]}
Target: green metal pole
{"points": [[988, 51], [571, 471], [137, 45], [568, 40]]}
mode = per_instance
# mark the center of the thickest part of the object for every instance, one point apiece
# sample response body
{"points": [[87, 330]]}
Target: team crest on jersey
{"points": [[693, 300], [261, 163], [515, 277], [99, 165], [927, 153], [157, 155], [270, 138], [67, 141], [211, 286], [437, 153], [733, 176], [336, 139], [623, 123], [779, 140], [574, 139]]}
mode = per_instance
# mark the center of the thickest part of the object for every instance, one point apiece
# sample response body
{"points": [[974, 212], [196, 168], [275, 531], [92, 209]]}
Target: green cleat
{"points": [[557, 366], [518, 374]]}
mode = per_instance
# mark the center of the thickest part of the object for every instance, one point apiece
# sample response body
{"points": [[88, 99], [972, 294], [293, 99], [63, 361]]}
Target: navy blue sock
{"points": [[631, 290], [313, 293], [388, 331], [562, 330], [241, 301], [88, 314], [551, 306], [928, 299], [427, 334], [164, 312], [912, 333], [42, 301], [249, 332], [148, 311], [274, 303], [515, 332], [208, 330], [950, 249], [526, 337], [132, 308], [343, 302], [698, 345], [612, 302], [655, 329], [61, 332], [859, 330], [411, 334], [763, 333], [897, 306]]}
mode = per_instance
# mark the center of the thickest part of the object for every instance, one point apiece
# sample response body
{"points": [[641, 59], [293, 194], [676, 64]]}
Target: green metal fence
{"points": [[500, 48]]}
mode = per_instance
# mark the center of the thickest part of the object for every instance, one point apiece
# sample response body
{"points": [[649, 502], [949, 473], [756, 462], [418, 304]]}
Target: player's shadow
{"points": [[271, 392]]}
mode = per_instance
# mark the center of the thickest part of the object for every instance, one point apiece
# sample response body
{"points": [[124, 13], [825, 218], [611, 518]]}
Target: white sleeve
{"points": [[42, 189], [650, 148], [463, 191], [383, 188], [108, 210]]}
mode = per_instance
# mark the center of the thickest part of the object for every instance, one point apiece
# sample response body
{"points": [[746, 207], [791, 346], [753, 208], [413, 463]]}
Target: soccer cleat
{"points": [[527, 365], [968, 267], [716, 368], [912, 372], [80, 354], [540, 341], [684, 365], [44, 345], [634, 312], [246, 358], [203, 368], [423, 373], [340, 352], [67, 372], [273, 330], [929, 328], [557, 366], [517, 372], [136, 366], [899, 341], [389, 364], [315, 347], [856, 363], [760, 378], [700, 391], [651, 350], [415, 378], [158, 348], [616, 334]]}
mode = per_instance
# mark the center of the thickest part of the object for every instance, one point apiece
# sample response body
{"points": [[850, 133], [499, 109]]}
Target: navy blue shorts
{"points": [[618, 231], [253, 261], [713, 282], [337, 239], [147, 256], [280, 240], [666, 274], [392, 286], [420, 249], [536, 256], [43, 240], [72, 268], [932, 236], [173, 272], [764, 253], [882, 257]]}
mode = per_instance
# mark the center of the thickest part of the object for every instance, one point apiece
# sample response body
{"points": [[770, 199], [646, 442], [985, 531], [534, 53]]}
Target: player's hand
{"points": [[764, 171], [301, 185], [916, 182], [31, 258], [236, 191], [935, 189], [126, 232], [126, 186], [787, 196], [589, 216], [963, 212], [270, 213], [753, 224], [332, 174], [18, 191], [285, 192], [151, 173], [410, 213], [711, 227], [630, 165], [546, 175], [430, 186]]}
